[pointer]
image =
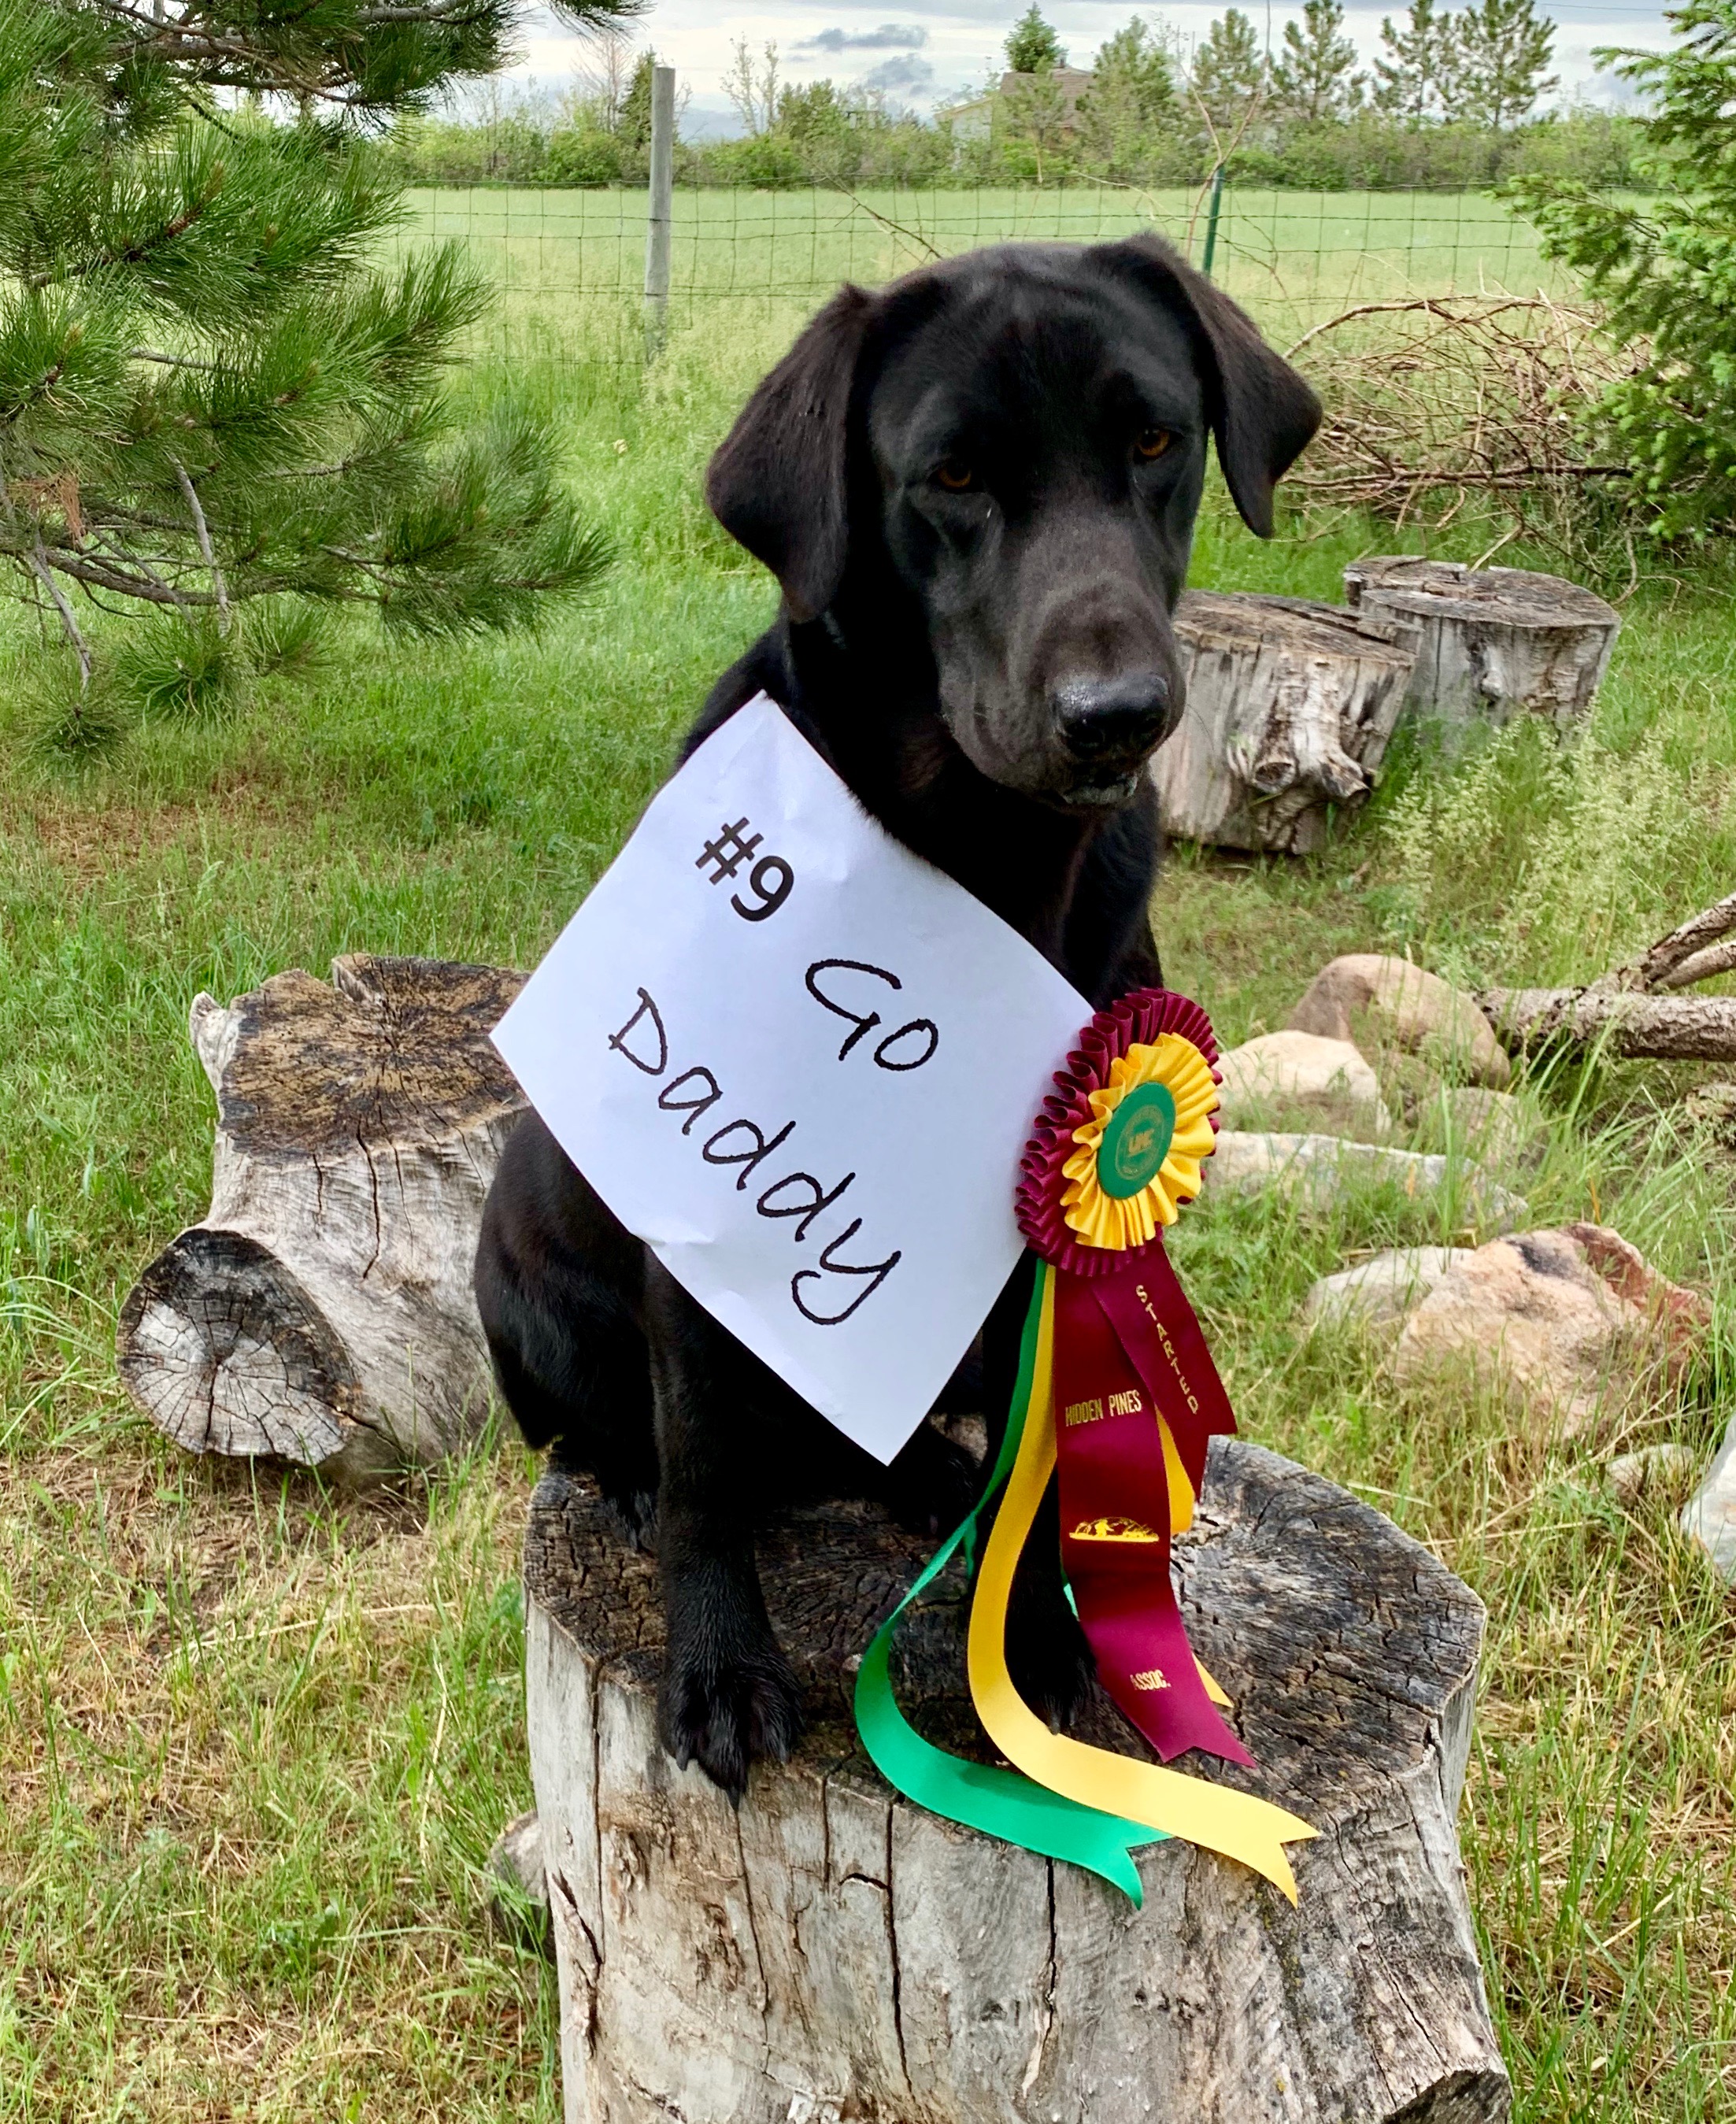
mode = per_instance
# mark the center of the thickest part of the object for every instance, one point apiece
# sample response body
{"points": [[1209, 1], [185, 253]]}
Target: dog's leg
{"points": [[556, 1285], [729, 1694]]}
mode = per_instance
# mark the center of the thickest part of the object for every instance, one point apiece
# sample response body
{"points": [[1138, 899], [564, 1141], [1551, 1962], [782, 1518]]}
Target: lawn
{"points": [[256, 1740]]}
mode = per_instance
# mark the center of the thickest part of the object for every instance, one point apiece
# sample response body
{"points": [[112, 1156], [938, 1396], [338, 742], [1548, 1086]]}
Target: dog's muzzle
{"points": [[1109, 726]]}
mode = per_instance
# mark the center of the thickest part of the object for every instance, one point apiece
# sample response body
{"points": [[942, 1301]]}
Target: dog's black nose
{"points": [[1113, 718]]}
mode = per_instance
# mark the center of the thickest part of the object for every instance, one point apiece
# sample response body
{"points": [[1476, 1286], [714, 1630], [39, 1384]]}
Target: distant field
{"points": [[571, 264]]}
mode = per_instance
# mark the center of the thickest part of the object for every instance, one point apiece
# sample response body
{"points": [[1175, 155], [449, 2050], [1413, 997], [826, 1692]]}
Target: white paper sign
{"points": [[801, 1064]]}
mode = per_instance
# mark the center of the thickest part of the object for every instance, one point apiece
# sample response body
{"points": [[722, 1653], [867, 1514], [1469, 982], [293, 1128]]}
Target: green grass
{"points": [[255, 1740]]}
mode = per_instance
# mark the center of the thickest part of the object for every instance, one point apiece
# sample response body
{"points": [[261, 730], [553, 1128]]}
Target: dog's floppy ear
{"points": [[1263, 415], [779, 481]]}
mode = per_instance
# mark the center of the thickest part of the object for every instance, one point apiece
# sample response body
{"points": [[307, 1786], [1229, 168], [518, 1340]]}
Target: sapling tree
{"points": [[1033, 46], [1499, 50], [1314, 78], [1228, 79], [1410, 71], [213, 386]]}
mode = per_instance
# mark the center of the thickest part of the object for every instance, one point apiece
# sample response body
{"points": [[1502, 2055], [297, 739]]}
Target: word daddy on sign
{"points": [[801, 1064]]}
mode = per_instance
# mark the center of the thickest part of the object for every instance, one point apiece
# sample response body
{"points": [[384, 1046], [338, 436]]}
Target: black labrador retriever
{"points": [[976, 488]]}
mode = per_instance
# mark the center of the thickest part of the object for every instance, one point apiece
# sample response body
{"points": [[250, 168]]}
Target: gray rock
{"points": [[1708, 1517], [515, 1866], [1382, 1290], [1320, 1171], [1667, 1469], [1296, 1077], [1382, 1003]]}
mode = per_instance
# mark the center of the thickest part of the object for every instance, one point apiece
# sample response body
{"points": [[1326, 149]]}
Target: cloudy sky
{"points": [[922, 52]]}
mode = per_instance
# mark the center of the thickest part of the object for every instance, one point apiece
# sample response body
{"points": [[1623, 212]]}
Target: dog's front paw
{"points": [[722, 1713], [1049, 1660]]}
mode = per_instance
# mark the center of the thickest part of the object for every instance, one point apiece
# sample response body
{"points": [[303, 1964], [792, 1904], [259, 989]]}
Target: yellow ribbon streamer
{"points": [[1234, 1823]]}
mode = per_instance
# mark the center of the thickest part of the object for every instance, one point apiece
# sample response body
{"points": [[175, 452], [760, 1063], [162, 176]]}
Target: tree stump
{"points": [[1491, 642], [833, 1953], [322, 1312], [1289, 706]]}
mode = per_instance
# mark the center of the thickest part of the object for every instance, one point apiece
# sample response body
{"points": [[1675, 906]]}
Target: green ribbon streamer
{"points": [[1003, 1803]]}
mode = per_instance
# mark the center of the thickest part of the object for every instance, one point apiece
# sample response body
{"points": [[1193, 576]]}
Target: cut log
{"points": [[1667, 1028], [1289, 706], [322, 1312], [831, 1952], [1491, 642]]}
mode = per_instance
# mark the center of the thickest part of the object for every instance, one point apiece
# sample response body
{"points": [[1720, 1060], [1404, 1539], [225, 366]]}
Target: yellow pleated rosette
{"points": [[1099, 1218]]}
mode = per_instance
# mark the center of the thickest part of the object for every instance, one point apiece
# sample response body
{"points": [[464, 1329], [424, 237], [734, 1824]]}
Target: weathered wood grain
{"points": [[1490, 642], [831, 1951], [321, 1313], [1289, 706], [1669, 1028]]}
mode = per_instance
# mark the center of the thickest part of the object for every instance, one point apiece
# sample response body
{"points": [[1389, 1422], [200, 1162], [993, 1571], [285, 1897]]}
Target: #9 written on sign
{"points": [[799, 1063], [840, 986]]}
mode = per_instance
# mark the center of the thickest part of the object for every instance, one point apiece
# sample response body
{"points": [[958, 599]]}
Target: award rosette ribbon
{"points": [[1116, 1393]]}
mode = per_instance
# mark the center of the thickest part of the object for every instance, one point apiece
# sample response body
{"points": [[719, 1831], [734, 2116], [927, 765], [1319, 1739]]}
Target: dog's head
{"points": [[1014, 442]]}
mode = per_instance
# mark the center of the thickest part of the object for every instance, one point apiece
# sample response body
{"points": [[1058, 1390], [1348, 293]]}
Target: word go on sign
{"points": [[801, 1069]]}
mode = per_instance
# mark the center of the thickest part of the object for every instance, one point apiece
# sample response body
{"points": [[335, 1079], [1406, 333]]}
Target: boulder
{"points": [[1380, 1291], [1664, 1470], [1384, 1004], [1321, 1171], [516, 1886], [1540, 1314], [1708, 1518], [1678, 1317], [1297, 1076]]}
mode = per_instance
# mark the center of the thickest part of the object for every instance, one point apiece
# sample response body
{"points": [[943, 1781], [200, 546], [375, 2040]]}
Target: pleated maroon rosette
{"points": [[1135, 1398], [1141, 1017]]}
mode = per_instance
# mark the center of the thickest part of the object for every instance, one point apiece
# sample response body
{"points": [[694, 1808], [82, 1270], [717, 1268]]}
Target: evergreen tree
{"points": [[1407, 83], [632, 124], [1664, 266], [1500, 49], [207, 394], [1228, 77], [1315, 76], [1131, 96], [1033, 46]]}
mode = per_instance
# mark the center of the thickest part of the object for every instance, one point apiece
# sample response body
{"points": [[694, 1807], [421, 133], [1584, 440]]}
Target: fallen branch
{"points": [[1624, 1007], [1657, 1028]]}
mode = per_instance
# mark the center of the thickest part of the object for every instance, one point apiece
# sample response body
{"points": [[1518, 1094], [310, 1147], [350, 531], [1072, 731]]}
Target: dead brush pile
{"points": [[1443, 407]]}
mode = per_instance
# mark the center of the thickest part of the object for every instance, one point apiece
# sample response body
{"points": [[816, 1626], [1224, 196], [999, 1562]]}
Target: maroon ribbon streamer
{"points": [[1128, 1348]]}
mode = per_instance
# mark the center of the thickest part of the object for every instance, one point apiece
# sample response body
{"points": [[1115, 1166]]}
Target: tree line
{"points": [[1450, 100]]}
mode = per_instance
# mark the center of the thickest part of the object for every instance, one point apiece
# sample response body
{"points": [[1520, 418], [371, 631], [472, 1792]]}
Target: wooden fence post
{"points": [[660, 208]]}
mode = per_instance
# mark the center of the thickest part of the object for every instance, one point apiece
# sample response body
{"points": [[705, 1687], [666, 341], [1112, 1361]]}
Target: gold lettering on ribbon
{"points": [[1151, 1678], [1113, 1530], [1084, 1412], [1128, 1403], [1162, 1337]]}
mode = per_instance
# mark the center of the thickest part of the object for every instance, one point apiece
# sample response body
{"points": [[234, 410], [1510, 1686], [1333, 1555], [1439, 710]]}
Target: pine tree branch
{"points": [[171, 360], [136, 254], [133, 581], [38, 562], [203, 533]]}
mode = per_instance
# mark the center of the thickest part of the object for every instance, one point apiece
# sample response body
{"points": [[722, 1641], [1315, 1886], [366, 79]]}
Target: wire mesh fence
{"points": [[569, 264]]}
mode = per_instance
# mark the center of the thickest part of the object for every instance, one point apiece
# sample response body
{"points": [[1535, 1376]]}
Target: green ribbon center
{"points": [[1135, 1140]]}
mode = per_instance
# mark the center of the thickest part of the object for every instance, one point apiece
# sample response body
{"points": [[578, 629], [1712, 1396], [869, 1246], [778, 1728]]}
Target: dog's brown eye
{"points": [[955, 476], [1151, 443]]}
